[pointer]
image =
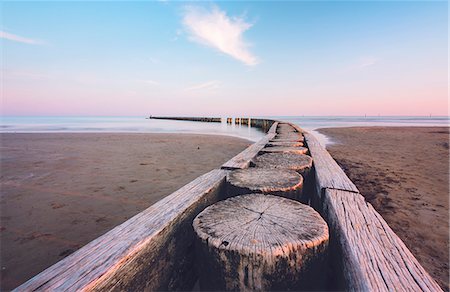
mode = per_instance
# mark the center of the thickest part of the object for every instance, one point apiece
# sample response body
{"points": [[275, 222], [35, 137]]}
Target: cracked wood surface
{"points": [[329, 174], [280, 182], [285, 144], [374, 258], [260, 242], [285, 149], [298, 162]]}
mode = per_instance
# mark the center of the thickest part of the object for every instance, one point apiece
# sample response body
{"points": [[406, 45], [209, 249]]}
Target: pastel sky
{"points": [[224, 58]]}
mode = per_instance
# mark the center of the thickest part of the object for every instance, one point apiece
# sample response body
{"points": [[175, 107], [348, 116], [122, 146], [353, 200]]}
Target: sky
{"points": [[224, 58]]}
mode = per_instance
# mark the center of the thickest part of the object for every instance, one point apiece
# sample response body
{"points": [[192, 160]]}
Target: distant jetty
{"points": [[192, 119], [286, 218]]}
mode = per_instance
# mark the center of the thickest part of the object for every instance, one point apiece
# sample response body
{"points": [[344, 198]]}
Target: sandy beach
{"points": [[404, 173], [60, 191]]}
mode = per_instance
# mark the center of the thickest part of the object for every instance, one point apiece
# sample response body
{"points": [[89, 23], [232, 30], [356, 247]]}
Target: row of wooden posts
{"points": [[262, 237], [244, 227]]}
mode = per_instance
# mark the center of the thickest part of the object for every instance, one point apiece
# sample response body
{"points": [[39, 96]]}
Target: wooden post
{"points": [[285, 144], [298, 162], [280, 182], [285, 128], [261, 242], [285, 149], [293, 135]]}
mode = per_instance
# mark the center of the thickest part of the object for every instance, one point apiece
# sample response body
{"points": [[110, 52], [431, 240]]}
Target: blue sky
{"points": [[226, 58]]}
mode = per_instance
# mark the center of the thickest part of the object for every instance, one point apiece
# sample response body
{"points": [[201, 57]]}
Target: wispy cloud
{"points": [[361, 63], [15, 38], [367, 62], [204, 86], [215, 29]]}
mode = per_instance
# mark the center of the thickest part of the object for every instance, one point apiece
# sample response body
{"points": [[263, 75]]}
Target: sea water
{"points": [[143, 125]]}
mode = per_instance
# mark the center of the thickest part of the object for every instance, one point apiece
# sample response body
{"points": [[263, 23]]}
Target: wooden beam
{"points": [[242, 160], [329, 174], [373, 257], [152, 251]]}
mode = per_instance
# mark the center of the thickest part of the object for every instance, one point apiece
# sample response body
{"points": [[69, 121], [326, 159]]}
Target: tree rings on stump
{"points": [[261, 242], [298, 162], [284, 149], [280, 182]]}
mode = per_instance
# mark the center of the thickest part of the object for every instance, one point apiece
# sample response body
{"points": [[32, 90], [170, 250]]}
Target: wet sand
{"points": [[404, 173], [60, 191]]}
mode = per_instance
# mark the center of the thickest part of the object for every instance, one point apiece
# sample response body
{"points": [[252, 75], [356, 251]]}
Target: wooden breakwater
{"points": [[192, 119], [154, 249]]}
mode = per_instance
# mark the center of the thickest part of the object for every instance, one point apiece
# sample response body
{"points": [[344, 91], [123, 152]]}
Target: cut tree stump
{"points": [[285, 144], [290, 136], [298, 162], [285, 128], [293, 139], [285, 149], [280, 182], [261, 242]]}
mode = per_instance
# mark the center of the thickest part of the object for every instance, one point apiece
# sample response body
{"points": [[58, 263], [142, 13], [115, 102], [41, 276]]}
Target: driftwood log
{"points": [[285, 144], [261, 242], [298, 162], [280, 182], [285, 149]]}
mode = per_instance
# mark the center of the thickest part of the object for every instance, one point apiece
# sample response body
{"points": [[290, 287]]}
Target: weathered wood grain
{"points": [[328, 173], [280, 182], [373, 257], [261, 242], [151, 251], [285, 149], [273, 128], [242, 160], [285, 144], [292, 136], [285, 128], [298, 162]]}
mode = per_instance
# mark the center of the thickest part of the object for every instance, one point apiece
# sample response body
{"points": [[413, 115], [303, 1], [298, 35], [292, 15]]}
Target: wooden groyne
{"points": [[192, 119], [154, 250]]}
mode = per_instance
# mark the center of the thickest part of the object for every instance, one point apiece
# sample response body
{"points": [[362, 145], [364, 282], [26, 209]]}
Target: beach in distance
{"points": [[404, 173], [62, 190]]}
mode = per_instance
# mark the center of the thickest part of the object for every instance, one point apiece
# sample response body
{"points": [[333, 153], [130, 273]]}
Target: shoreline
{"points": [[62, 190], [405, 178]]}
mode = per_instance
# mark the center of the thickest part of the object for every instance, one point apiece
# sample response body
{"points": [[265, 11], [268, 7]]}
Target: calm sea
{"points": [[142, 125]]}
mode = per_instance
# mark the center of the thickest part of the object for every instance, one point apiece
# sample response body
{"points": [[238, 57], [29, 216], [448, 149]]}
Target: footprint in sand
{"points": [[57, 205]]}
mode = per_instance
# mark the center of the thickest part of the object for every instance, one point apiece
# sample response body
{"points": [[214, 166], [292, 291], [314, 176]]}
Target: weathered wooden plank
{"points": [[151, 251], [373, 257], [242, 160], [273, 128], [328, 173]]}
